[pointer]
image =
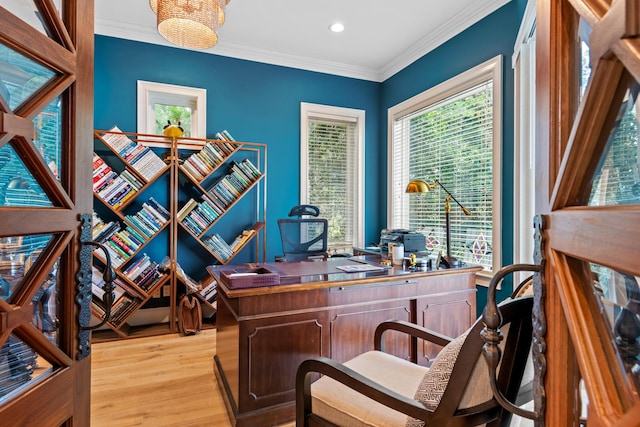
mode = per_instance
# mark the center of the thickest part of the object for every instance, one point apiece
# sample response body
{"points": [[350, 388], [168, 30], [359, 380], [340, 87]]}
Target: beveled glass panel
{"points": [[48, 126], [18, 186], [585, 55], [29, 13], [17, 255], [20, 77], [585, 67], [21, 367], [617, 179], [45, 308], [619, 298]]}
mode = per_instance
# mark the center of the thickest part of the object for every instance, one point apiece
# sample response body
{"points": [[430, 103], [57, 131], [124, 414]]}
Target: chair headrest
{"points": [[301, 210]]}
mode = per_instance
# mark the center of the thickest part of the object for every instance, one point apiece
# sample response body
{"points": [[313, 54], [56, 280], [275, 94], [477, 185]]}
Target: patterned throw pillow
{"points": [[436, 379]]}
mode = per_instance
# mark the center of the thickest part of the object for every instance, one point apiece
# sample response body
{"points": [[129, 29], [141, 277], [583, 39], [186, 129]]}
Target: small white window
{"points": [[160, 103], [332, 170], [451, 133]]}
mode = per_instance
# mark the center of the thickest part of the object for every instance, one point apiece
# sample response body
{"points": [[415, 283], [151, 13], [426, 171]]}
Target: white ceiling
{"points": [[381, 37]]}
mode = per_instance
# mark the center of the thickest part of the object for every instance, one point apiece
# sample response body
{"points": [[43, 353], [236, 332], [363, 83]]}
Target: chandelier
{"points": [[191, 24]]}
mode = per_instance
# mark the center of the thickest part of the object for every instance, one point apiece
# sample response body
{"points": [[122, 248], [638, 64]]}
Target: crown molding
{"points": [[295, 61], [440, 35]]}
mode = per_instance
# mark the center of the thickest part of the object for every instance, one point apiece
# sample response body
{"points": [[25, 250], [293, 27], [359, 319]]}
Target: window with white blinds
{"points": [[331, 170], [451, 133]]}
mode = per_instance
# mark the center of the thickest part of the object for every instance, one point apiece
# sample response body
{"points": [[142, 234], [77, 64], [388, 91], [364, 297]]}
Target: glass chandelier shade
{"points": [[191, 24]]}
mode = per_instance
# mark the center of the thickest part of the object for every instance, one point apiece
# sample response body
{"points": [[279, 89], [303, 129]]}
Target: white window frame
{"points": [[152, 93], [524, 69], [309, 110], [489, 69]]}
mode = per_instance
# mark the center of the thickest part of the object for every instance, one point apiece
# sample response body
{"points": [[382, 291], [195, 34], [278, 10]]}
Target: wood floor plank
{"points": [[161, 381], [166, 380]]}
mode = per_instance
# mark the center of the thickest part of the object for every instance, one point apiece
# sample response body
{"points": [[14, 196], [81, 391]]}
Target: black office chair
{"points": [[304, 236]]}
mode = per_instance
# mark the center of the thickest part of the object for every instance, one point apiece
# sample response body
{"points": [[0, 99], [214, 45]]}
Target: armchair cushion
{"points": [[345, 407], [435, 380]]}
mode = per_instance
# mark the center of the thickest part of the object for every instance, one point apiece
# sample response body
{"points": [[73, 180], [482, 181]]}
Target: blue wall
{"points": [[261, 103], [254, 101]]}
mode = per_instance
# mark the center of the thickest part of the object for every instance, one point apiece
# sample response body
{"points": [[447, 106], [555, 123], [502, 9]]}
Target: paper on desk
{"points": [[359, 268]]}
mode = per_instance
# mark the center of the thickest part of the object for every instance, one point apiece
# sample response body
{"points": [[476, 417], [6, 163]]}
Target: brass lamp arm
{"points": [[465, 210]]}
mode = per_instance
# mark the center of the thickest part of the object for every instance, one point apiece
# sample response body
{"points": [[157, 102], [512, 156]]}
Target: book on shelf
{"points": [[237, 172], [126, 306], [218, 245], [210, 291], [148, 164], [115, 189], [226, 140], [119, 242], [116, 139], [144, 273], [191, 170], [186, 208], [150, 218], [251, 168], [241, 239], [143, 159]]}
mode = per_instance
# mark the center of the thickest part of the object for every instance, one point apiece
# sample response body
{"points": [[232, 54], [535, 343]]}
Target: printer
{"points": [[412, 241]]}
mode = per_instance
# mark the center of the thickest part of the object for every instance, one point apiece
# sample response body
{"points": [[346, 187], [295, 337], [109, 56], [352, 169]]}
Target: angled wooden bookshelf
{"points": [[143, 229]]}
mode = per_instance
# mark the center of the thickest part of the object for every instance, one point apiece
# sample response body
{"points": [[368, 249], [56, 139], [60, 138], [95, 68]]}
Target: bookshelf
{"points": [[162, 208]]}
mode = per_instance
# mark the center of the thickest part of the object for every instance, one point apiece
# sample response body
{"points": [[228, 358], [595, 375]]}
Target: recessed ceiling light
{"points": [[336, 27]]}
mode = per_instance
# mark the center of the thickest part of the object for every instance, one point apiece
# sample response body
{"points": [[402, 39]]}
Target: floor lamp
{"points": [[420, 186]]}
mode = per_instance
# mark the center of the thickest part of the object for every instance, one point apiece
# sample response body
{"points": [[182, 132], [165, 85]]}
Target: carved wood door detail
{"points": [[588, 190], [46, 123]]}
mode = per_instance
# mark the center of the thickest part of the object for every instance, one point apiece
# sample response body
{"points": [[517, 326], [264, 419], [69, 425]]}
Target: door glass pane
{"points": [[20, 367], [585, 57], [619, 298], [20, 77], [28, 12], [48, 126], [17, 256], [617, 180], [45, 306], [18, 186]]}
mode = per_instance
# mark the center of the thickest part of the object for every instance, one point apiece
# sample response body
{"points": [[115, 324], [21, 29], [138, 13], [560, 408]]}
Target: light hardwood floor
{"points": [[158, 381]]}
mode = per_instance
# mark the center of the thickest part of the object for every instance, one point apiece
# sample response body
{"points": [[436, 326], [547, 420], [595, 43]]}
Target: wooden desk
{"points": [[264, 333]]}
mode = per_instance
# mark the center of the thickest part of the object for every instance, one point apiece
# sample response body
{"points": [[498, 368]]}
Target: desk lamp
{"points": [[420, 186]]}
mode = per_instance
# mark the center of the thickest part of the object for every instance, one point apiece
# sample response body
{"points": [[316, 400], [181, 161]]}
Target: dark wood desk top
{"points": [[318, 274]]}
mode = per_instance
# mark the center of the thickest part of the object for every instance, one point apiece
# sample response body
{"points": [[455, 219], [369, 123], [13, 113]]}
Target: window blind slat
{"points": [[332, 146], [452, 141]]}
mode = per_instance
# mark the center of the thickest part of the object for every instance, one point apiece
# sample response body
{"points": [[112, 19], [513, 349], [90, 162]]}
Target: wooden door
{"points": [[588, 192], [46, 121]]}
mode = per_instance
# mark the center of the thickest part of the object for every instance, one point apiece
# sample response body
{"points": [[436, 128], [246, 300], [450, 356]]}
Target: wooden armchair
{"points": [[378, 389]]}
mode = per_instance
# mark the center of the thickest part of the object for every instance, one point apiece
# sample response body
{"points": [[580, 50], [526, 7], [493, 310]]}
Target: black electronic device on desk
{"points": [[412, 241]]}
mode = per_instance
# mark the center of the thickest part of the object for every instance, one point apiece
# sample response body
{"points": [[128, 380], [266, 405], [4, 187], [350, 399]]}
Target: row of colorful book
{"points": [[142, 158], [199, 165], [241, 239], [241, 175], [121, 243], [144, 273], [218, 246], [198, 216], [126, 306], [115, 189], [150, 218], [210, 292]]}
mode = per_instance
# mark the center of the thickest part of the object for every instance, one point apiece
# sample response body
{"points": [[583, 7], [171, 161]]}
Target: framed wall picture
{"points": [[160, 104]]}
